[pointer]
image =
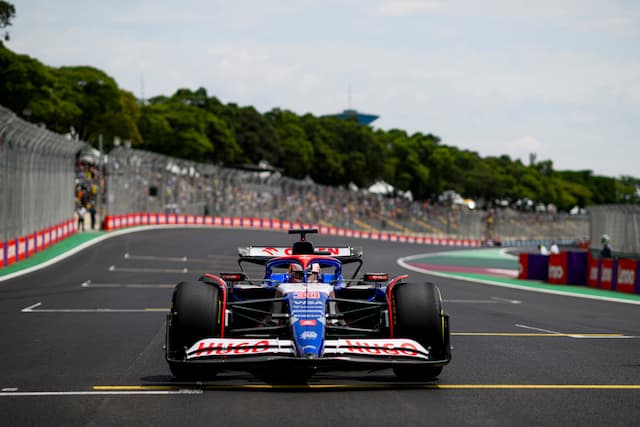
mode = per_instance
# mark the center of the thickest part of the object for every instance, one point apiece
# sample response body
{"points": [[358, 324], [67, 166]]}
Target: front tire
{"points": [[195, 314], [418, 315]]}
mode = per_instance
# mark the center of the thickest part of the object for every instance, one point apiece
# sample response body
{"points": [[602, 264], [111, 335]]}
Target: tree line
{"points": [[195, 125]]}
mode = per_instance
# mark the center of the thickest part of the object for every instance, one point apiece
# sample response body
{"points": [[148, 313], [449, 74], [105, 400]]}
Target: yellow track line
{"points": [[389, 386], [520, 334]]}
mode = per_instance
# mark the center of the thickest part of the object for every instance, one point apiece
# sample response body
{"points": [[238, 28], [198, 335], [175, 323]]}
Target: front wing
{"points": [[365, 353]]}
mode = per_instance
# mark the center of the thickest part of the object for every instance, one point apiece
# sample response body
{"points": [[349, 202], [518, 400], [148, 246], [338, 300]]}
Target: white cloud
{"points": [[522, 147], [479, 75], [403, 8]]}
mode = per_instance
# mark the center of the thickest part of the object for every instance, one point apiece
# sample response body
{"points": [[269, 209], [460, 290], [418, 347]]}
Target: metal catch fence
{"points": [[36, 177], [621, 223]]}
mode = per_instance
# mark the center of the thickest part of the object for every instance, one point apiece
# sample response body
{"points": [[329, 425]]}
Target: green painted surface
{"points": [[485, 258], [51, 252], [583, 290]]}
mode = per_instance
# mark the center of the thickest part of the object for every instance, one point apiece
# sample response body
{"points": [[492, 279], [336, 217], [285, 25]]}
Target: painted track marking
{"points": [[35, 309], [576, 335], [148, 270], [493, 300], [88, 284], [168, 259], [198, 389]]}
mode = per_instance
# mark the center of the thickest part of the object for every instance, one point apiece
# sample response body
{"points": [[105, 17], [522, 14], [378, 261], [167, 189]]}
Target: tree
{"points": [[7, 12], [297, 152]]}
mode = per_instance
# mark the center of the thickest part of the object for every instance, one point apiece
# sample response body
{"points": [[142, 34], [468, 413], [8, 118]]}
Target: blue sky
{"points": [[559, 78]]}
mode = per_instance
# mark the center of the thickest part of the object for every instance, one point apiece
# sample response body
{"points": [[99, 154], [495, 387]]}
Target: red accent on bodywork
{"points": [[390, 286], [223, 288]]}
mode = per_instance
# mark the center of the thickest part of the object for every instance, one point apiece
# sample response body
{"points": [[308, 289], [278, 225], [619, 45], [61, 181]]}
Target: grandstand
{"points": [[140, 181]]}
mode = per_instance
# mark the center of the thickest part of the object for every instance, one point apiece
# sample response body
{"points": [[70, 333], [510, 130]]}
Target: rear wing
{"points": [[261, 254], [269, 252]]}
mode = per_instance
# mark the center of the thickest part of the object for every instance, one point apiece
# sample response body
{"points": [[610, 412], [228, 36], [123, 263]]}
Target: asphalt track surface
{"points": [[82, 345]]}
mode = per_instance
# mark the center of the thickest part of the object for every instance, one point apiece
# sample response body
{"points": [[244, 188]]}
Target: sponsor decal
{"points": [[593, 273], [300, 303], [556, 272], [308, 322], [305, 295], [308, 335], [607, 274], [229, 347], [626, 277], [270, 251], [404, 348], [377, 347]]}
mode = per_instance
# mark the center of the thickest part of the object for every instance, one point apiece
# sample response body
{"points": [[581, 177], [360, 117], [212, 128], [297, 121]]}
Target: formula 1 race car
{"points": [[304, 316]]}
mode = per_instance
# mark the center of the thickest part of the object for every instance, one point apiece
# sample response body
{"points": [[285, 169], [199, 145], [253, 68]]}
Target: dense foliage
{"points": [[194, 125]]}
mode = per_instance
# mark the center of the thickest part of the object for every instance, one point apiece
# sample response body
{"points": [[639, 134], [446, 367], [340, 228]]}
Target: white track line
{"points": [[493, 300], [98, 393], [148, 270], [155, 258], [128, 256], [589, 335], [88, 284], [34, 309]]}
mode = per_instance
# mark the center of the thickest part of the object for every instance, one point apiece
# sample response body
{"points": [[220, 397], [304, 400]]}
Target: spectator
{"points": [[543, 249], [607, 250], [92, 215], [554, 248], [82, 211]]}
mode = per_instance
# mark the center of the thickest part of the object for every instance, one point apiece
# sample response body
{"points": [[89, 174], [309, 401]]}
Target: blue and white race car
{"points": [[304, 316]]}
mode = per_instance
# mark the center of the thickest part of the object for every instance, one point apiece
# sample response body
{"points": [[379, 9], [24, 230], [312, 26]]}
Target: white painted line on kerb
{"points": [[149, 270], [35, 309]]}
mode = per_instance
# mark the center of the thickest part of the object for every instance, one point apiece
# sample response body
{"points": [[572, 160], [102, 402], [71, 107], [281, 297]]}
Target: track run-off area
{"points": [[83, 335]]}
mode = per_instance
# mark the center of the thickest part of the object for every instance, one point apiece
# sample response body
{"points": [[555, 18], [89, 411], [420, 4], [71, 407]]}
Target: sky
{"points": [[558, 78]]}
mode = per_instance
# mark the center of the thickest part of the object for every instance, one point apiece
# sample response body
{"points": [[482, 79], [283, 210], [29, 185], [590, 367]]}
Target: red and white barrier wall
{"points": [[115, 222], [581, 268], [23, 247]]}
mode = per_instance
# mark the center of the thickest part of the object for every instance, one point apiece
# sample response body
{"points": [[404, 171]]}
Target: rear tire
{"points": [[418, 315], [195, 308]]}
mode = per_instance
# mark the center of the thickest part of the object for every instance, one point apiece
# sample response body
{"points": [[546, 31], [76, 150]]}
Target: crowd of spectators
{"points": [[267, 194], [86, 194]]}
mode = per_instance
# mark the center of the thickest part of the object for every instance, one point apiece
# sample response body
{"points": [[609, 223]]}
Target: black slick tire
{"points": [[418, 315], [195, 309]]}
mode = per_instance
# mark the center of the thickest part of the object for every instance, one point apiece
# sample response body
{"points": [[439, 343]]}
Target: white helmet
{"points": [[604, 239]]}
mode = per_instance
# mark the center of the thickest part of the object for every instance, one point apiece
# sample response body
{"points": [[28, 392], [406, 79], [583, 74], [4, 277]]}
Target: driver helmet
{"points": [[295, 273], [314, 273]]}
